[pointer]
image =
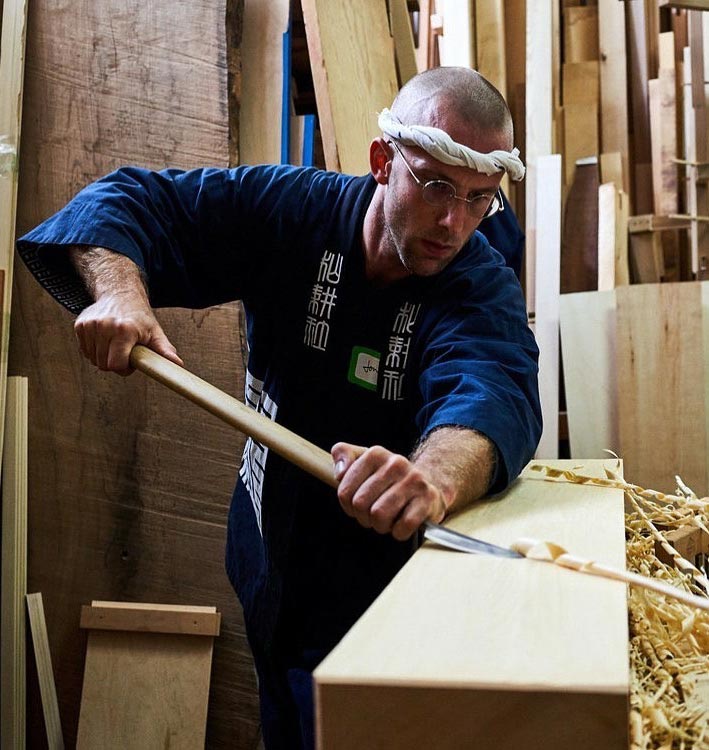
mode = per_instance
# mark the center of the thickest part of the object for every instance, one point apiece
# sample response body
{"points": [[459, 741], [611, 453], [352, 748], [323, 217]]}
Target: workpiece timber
{"points": [[479, 651], [342, 37]]}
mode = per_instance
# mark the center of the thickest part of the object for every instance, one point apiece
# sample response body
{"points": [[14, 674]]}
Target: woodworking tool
{"points": [[282, 441]]}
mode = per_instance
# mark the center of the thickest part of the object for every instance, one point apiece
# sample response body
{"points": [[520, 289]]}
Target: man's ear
{"points": [[380, 160]]}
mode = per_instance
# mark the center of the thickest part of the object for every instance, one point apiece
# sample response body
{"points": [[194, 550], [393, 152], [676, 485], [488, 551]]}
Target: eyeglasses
{"points": [[441, 193]]}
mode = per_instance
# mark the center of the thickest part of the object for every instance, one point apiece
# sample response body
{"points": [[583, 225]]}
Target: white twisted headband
{"points": [[442, 147]]}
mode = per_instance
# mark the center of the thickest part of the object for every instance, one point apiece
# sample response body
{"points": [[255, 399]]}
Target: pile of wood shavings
{"points": [[669, 641]]}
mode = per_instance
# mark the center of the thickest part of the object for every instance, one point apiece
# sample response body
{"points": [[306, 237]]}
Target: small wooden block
{"points": [[689, 541], [150, 621]]}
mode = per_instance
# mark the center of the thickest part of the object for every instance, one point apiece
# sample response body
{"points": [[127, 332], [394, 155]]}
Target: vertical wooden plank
{"points": [[136, 511], [12, 64], [622, 270], [424, 33], [612, 169], [606, 236], [699, 61], [538, 125], [579, 242], [659, 363], [690, 155], [343, 37], [457, 42], [14, 568], [515, 65], [614, 82], [646, 260], [580, 33], [641, 193], [403, 40], [265, 22], [45, 672], [587, 321], [490, 42], [548, 222], [661, 92]]}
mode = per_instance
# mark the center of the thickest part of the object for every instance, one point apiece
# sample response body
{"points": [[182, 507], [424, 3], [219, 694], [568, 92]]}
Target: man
{"points": [[376, 315]]}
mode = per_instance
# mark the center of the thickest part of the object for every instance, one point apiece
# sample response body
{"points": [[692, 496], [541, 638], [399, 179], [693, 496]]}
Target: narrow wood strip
{"points": [[48, 691], [538, 124], [262, 81], [490, 42], [614, 83], [653, 223], [13, 684], [548, 222], [622, 270], [12, 63], [606, 236], [403, 40], [150, 620]]}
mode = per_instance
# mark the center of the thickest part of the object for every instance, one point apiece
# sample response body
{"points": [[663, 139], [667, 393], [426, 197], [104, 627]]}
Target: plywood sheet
{"points": [[580, 136], [344, 37], [122, 505], [587, 322], [144, 690], [660, 375], [543, 666]]}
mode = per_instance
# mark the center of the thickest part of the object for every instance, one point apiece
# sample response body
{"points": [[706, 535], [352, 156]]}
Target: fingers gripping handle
{"points": [[282, 441]]}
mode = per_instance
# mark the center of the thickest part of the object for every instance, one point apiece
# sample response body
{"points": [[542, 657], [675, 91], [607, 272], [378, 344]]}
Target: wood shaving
{"points": [[669, 641]]}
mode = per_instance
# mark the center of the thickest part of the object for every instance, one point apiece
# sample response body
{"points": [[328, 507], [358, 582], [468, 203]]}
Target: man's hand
{"points": [[121, 316], [108, 330], [385, 491]]}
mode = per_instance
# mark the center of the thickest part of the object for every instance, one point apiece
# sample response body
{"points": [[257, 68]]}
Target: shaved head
{"points": [[463, 91]]}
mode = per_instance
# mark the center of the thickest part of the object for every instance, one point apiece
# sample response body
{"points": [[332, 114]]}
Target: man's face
{"points": [[425, 237]]}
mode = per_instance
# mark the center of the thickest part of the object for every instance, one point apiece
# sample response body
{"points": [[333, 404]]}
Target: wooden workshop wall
{"points": [[128, 485]]}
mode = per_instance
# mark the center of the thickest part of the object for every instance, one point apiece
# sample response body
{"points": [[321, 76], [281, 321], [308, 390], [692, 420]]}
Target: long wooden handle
{"points": [[282, 441]]}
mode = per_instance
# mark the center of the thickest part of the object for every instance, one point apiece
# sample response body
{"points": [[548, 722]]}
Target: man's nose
{"points": [[455, 216]]}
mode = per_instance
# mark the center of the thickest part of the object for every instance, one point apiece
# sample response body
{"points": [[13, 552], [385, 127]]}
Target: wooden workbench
{"points": [[469, 651]]}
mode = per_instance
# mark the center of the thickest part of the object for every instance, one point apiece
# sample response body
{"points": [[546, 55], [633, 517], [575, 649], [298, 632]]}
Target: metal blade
{"points": [[454, 540]]}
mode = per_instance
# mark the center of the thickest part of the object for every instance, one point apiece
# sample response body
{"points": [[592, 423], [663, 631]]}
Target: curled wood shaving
{"points": [[669, 640]]}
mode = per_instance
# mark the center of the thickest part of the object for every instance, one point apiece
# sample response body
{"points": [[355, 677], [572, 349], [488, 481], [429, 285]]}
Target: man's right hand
{"points": [[121, 316]]}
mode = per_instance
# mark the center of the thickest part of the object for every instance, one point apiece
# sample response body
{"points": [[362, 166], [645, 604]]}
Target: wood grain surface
{"points": [[513, 654], [129, 488]]}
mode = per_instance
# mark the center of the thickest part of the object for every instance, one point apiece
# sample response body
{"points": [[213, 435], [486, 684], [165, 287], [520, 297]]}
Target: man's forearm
{"points": [[107, 272], [460, 461]]}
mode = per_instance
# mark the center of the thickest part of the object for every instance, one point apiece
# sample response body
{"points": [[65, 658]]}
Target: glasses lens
{"points": [[438, 192], [494, 207]]}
